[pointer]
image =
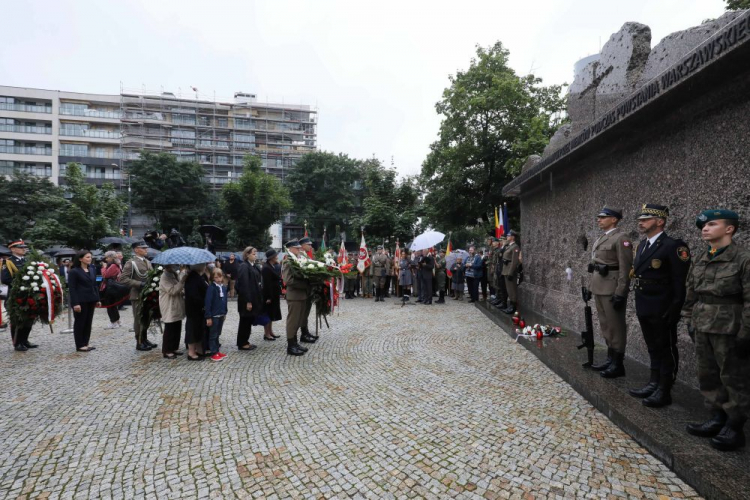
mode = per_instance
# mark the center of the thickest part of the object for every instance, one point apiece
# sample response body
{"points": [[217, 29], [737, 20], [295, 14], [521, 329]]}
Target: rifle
{"points": [[587, 336]]}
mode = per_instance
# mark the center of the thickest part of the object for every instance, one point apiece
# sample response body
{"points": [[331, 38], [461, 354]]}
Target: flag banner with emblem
{"points": [[342, 254], [448, 251], [499, 228], [364, 256]]}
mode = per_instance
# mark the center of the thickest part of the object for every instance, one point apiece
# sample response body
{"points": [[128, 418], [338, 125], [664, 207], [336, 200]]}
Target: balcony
{"points": [[24, 150], [26, 129], [36, 171], [28, 108], [93, 134], [90, 113]]}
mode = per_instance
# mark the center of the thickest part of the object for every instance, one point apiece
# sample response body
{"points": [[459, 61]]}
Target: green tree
{"points": [[323, 189], [170, 191], [252, 204], [25, 201], [90, 214], [738, 4], [492, 119], [392, 207]]}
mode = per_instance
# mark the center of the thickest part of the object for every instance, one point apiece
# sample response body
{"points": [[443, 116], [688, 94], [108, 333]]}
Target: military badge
{"points": [[656, 263], [626, 243], [702, 218], [683, 253]]}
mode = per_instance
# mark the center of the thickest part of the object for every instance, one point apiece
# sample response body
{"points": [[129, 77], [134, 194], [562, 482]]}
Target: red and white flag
{"points": [[342, 254], [364, 256]]}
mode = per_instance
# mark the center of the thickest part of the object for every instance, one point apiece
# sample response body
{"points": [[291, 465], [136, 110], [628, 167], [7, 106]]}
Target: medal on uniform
{"points": [[656, 263]]}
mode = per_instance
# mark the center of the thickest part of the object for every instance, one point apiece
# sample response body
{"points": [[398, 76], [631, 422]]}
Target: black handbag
{"points": [[114, 291]]}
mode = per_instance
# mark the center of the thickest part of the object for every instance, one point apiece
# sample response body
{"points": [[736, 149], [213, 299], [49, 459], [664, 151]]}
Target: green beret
{"points": [[716, 214]]}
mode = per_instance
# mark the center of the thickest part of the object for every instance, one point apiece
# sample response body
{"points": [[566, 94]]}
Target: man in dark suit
{"points": [[13, 264], [426, 265], [659, 273]]}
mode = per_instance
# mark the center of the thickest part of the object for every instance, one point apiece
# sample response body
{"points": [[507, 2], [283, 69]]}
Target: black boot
{"points": [[293, 348], [647, 389], [731, 437], [617, 367], [377, 295], [662, 396], [511, 308], [441, 299], [711, 427], [606, 363]]}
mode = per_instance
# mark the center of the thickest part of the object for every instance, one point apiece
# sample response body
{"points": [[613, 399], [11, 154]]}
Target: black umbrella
{"points": [[113, 240], [60, 252], [214, 231]]}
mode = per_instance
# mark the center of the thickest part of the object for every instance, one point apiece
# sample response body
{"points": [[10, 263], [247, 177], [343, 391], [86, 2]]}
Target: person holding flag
{"points": [[364, 268]]}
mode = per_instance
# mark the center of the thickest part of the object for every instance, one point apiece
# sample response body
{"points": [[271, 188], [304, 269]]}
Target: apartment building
{"points": [[41, 131]]}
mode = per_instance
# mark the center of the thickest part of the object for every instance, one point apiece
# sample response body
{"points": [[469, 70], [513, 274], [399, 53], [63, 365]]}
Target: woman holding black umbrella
{"points": [[271, 292], [84, 297], [250, 299]]}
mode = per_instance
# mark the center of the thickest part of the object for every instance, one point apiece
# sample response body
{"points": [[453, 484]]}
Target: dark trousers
{"points": [[473, 284], [303, 320], [19, 335], [214, 332], [661, 342], [82, 324], [425, 289], [483, 282], [171, 339], [502, 291], [114, 314], [387, 287], [244, 330]]}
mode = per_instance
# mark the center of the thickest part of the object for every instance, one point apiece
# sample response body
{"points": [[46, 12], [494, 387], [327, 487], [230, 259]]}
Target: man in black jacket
{"points": [[659, 272], [426, 265], [13, 264]]}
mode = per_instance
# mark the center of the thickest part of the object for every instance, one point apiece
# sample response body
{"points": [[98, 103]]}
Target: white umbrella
{"points": [[426, 240]]}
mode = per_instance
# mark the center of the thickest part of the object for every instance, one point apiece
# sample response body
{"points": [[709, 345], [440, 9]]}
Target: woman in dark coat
{"points": [[195, 299], [250, 299], [271, 292], [84, 297]]}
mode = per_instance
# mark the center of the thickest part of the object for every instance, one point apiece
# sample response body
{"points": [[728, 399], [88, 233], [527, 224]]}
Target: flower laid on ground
{"points": [[40, 300]]}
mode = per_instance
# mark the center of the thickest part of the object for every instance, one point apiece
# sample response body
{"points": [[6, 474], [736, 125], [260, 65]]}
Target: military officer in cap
{"points": [[659, 272], [306, 336], [441, 279], [297, 296], [501, 291], [379, 271], [717, 312], [512, 259], [610, 265], [18, 333], [134, 275]]}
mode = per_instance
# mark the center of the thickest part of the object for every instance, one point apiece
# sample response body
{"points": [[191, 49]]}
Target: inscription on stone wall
{"points": [[719, 44]]}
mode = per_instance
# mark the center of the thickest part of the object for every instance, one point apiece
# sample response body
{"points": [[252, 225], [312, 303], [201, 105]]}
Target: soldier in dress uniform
{"points": [[610, 265], [19, 334], [659, 272], [134, 275], [501, 291], [306, 336], [297, 296], [441, 278], [512, 259], [379, 272], [717, 312]]}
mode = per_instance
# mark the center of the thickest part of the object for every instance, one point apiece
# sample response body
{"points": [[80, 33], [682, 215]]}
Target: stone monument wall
{"points": [[669, 126]]}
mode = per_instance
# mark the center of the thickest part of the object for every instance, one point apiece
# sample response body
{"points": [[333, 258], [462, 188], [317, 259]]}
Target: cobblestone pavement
{"points": [[414, 402]]}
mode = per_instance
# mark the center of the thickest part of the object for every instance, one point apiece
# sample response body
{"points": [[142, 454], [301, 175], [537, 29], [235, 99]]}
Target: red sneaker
{"points": [[217, 357], [222, 355]]}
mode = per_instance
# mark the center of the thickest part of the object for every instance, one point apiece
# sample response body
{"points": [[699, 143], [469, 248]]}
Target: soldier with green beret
{"points": [[717, 311]]}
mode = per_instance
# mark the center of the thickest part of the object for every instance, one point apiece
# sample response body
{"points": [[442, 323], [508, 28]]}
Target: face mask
{"points": [[211, 266]]}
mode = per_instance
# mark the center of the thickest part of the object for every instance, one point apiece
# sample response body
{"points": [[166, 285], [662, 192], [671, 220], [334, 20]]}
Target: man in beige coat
{"points": [[134, 275], [297, 293], [610, 265]]}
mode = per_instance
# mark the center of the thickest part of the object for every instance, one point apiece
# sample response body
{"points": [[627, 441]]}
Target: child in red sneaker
{"points": [[216, 312]]}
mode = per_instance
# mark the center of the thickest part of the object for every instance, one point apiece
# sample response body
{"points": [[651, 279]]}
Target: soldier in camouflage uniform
{"points": [[717, 311]]}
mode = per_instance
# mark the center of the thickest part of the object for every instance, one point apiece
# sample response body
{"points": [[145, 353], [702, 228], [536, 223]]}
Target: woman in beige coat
{"points": [[172, 306]]}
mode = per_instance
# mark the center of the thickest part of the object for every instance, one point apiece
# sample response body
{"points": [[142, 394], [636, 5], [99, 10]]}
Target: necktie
{"points": [[646, 247]]}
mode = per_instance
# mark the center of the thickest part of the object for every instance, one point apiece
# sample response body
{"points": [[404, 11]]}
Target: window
{"points": [[78, 129], [222, 122], [74, 150], [243, 123]]}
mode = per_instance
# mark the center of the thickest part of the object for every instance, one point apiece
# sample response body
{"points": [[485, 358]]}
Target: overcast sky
{"points": [[374, 70]]}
